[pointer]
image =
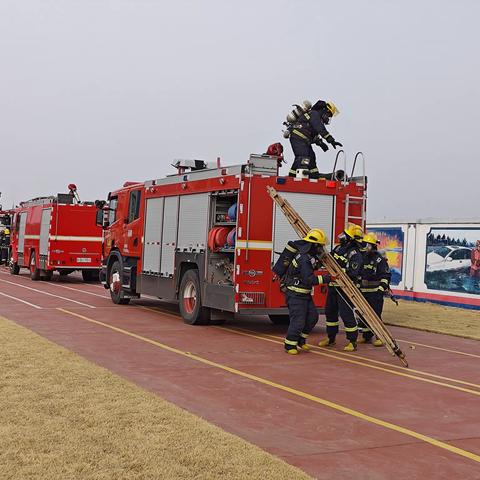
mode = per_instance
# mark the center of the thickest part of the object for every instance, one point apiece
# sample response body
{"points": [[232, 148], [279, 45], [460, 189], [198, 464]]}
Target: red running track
{"points": [[330, 413]]}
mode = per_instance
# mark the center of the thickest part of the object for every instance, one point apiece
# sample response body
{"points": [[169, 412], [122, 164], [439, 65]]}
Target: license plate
{"points": [[84, 260]]}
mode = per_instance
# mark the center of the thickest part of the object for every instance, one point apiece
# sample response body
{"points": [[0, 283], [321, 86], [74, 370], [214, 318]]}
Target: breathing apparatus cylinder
{"points": [[285, 258], [294, 115], [299, 110]]}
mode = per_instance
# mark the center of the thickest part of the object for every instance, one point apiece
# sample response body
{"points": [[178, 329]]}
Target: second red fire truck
{"points": [[57, 233], [207, 237]]}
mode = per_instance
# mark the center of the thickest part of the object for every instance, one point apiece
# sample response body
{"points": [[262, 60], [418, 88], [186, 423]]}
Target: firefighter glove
{"points": [[323, 146], [318, 141], [336, 144]]}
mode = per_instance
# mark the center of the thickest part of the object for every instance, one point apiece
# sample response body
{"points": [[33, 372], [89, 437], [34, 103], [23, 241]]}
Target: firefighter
{"points": [[298, 282], [375, 282], [4, 245], [347, 254], [310, 128]]}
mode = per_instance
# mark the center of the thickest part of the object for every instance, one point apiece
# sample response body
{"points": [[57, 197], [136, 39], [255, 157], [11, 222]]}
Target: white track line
{"points": [[441, 348], [20, 300], [79, 290], [47, 293]]}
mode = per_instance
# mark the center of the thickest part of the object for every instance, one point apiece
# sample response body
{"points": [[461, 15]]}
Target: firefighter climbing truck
{"points": [[56, 233], [207, 237]]}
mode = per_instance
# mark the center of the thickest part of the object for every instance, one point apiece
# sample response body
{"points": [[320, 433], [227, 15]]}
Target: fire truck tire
{"points": [[47, 275], [115, 284], [190, 300], [14, 268], [34, 271], [90, 275], [279, 319]]}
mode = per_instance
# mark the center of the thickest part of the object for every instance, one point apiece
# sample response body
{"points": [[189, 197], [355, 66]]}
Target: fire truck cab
{"points": [[56, 233], [208, 236]]}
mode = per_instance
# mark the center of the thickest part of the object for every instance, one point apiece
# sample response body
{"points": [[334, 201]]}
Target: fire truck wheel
{"points": [[90, 275], [14, 268], [47, 275], [190, 300], [115, 283], [34, 271], [279, 319]]}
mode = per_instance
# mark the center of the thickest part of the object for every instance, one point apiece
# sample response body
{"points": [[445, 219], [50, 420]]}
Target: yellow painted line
{"points": [[355, 362], [378, 362], [293, 391], [443, 349], [340, 356]]}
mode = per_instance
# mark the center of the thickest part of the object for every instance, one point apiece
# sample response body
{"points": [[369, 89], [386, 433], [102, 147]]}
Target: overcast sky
{"points": [[97, 92]]}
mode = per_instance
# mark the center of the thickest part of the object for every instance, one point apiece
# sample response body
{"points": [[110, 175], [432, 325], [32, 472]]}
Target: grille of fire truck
{"points": [[251, 298]]}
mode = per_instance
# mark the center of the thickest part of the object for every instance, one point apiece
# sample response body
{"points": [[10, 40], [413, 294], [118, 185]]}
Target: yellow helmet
{"points": [[370, 238], [6, 231], [331, 107], [354, 231], [315, 235]]}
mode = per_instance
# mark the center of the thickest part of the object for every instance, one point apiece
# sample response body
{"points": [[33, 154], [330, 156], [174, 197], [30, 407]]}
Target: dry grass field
{"points": [[62, 417], [433, 318]]}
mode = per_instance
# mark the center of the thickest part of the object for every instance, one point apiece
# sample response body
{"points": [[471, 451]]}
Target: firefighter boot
{"points": [[365, 339], [291, 346], [304, 347], [350, 347], [327, 342], [377, 343], [302, 343]]}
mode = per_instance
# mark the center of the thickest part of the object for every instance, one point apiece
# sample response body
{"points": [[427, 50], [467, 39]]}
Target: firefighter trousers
{"points": [[337, 305], [303, 318], [331, 312], [304, 157], [375, 300]]}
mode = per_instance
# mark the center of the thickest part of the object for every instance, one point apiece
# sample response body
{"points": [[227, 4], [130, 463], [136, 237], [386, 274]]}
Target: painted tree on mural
{"points": [[443, 240]]}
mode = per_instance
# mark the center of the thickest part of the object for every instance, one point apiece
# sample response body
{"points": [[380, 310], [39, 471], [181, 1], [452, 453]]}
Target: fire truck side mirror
{"points": [[101, 219]]}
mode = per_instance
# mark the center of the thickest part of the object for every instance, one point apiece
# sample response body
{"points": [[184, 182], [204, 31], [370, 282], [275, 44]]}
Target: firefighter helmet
{"points": [[315, 235], [370, 238], [6, 231], [354, 231], [331, 107]]}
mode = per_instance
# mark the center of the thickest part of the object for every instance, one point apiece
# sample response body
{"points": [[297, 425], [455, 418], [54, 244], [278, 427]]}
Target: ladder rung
{"points": [[356, 218]]}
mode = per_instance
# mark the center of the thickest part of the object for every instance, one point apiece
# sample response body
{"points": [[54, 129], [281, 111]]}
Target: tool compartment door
{"points": [[193, 223], [21, 232], [169, 237], [318, 211], [45, 230], [153, 235]]}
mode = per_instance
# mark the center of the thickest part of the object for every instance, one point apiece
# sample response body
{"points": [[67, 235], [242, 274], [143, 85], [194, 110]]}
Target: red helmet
{"points": [[275, 150]]}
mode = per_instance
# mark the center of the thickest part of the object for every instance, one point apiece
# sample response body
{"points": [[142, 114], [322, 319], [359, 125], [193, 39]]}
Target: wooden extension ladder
{"points": [[360, 306]]}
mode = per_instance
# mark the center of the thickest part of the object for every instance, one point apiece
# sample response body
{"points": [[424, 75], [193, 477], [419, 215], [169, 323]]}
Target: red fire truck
{"points": [[208, 237], [56, 233]]}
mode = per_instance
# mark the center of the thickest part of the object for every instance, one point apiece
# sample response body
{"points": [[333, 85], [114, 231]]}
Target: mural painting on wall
{"points": [[453, 260], [391, 242]]}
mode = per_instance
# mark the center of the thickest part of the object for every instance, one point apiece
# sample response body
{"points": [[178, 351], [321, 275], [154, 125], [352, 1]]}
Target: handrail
{"points": [[344, 167]]}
